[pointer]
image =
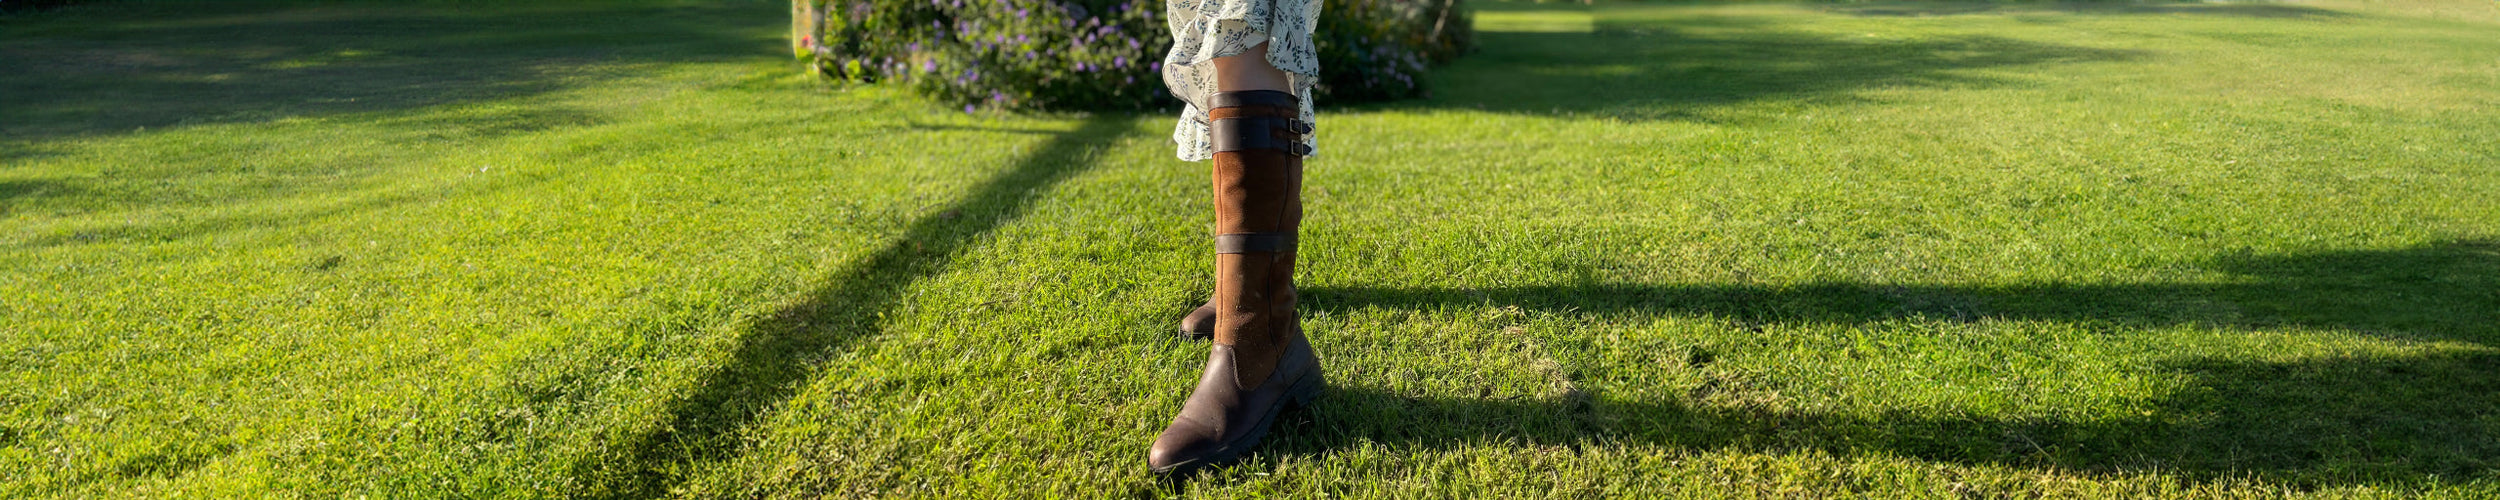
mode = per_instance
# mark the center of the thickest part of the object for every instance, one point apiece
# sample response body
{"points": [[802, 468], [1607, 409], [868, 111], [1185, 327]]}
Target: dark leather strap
{"points": [[1254, 243], [1259, 132]]}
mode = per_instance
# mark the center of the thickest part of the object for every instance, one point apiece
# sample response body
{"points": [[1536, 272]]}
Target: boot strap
{"points": [[1260, 132], [1254, 243]]}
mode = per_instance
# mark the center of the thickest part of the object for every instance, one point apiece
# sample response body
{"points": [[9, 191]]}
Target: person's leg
{"points": [[1248, 70], [1260, 362]]}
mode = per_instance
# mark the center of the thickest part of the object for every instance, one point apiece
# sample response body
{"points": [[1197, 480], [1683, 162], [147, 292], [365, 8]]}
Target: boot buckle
{"points": [[1252, 132]]}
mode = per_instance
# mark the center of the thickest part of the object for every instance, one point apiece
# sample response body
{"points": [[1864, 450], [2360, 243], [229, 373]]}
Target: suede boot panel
{"points": [[1255, 310], [1253, 191]]}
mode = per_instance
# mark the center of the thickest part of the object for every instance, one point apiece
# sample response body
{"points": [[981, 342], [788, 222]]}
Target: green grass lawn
{"points": [[623, 249]]}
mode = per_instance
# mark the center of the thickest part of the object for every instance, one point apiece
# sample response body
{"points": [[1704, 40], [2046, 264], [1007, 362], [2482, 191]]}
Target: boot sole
{"points": [[1304, 391]]}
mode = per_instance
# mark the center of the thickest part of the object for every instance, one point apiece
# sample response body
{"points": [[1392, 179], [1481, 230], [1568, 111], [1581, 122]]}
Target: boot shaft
{"points": [[1257, 181]]}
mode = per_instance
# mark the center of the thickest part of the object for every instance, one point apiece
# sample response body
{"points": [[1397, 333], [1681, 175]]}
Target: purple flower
{"points": [[914, 47], [1132, 44], [1020, 14], [1156, 66], [997, 97], [1085, 67], [1020, 39], [1119, 62], [928, 66], [967, 109]]}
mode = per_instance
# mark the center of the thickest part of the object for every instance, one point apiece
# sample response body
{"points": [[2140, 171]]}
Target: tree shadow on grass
{"points": [[1674, 69], [774, 355], [2447, 291], [124, 67], [11, 192], [2325, 421], [2178, 7], [117, 67], [2314, 423]]}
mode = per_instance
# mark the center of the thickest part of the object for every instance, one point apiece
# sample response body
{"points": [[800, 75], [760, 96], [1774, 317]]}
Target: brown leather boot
{"points": [[1199, 324], [1260, 362]]}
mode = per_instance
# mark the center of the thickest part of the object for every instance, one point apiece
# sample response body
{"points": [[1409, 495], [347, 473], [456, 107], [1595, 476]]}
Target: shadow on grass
{"points": [[128, 66], [12, 191], [116, 67], [2448, 291], [2322, 422], [1673, 69], [253, 216], [2319, 422], [774, 356], [2190, 7]]}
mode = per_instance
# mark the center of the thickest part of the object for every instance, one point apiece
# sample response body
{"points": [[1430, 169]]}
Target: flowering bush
{"points": [[1379, 49], [1096, 54]]}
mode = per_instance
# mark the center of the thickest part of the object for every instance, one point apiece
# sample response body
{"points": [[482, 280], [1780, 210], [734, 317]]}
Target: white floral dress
{"points": [[1203, 30]]}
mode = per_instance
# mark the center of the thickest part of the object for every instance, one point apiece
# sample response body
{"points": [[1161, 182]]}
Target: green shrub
{"points": [[1097, 54]]}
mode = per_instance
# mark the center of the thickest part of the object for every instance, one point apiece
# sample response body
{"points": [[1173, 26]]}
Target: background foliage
{"points": [[1097, 54]]}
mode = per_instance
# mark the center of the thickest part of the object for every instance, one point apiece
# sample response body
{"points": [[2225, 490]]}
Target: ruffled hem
{"points": [[1203, 30]]}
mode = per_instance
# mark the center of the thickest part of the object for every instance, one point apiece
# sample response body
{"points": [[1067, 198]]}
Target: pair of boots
{"points": [[1260, 362]]}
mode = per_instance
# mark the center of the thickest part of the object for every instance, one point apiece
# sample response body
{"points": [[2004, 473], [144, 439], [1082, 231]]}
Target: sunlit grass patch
{"points": [[1627, 249]]}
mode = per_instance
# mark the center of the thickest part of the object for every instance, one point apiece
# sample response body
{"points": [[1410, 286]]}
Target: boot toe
{"points": [[1183, 446], [1166, 460]]}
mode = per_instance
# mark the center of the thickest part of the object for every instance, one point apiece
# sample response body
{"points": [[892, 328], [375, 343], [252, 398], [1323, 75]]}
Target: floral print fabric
{"points": [[1203, 30]]}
